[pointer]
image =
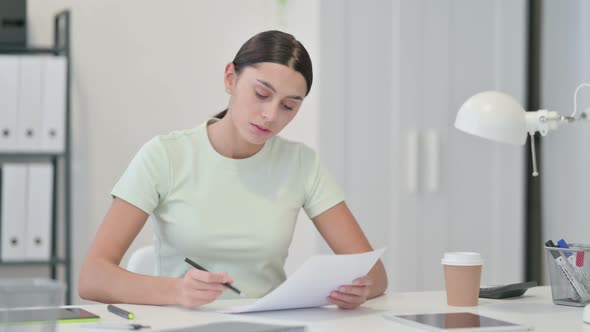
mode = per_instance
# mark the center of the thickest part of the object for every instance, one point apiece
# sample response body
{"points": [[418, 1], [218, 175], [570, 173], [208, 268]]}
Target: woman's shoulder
{"points": [[180, 135], [286, 147], [177, 139]]}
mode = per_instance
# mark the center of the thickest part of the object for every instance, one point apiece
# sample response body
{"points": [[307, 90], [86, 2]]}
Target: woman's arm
{"points": [[103, 280], [343, 234]]}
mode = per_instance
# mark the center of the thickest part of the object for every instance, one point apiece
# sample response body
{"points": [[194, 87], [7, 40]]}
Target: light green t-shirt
{"points": [[228, 215]]}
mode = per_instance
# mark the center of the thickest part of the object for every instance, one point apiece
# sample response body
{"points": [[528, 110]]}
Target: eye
{"points": [[287, 107], [260, 95]]}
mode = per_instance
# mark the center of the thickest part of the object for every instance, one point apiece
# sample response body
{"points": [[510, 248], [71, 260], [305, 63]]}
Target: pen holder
{"points": [[569, 274]]}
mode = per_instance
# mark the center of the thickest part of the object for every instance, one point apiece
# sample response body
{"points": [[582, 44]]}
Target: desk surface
{"points": [[533, 309]]}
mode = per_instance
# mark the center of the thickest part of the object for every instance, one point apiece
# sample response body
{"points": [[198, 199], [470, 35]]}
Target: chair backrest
{"points": [[143, 261]]}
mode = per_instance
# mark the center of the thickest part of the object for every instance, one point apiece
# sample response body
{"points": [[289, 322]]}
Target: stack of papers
{"points": [[313, 282]]}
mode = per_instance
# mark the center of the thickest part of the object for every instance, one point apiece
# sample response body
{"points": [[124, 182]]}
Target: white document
{"points": [[53, 106], [8, 101], [29, 103], [313, 282], [13, 211], [39, 212]]}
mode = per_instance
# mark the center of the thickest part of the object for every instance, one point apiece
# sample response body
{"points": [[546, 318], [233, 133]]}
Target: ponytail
{"points": [[220, 115]]}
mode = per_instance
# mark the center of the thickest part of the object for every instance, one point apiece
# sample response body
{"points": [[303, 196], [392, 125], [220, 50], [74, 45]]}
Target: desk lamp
{"points": [[499, 117]]}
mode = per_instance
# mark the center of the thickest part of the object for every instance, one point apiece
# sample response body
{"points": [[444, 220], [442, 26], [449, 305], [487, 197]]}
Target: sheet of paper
{"points": [[312, 283]]}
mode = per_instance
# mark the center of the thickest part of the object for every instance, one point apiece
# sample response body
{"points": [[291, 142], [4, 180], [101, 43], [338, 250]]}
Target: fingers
{"points": [[201, 287], [363, 281], [346, 301], [352, 296], [206, 279], [196, 299], [210, 277], [341, 303], [198, 285], [361, 291]]}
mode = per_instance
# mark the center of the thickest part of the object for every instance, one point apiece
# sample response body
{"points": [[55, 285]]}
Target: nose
{"points": [[269, 113]]}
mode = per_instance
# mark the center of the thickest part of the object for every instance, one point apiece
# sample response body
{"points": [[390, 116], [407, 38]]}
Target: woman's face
{"points": [[264, 99]]}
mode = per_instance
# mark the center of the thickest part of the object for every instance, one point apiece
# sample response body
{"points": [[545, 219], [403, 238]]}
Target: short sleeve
{"points": [[146, 181], [321, 190]]}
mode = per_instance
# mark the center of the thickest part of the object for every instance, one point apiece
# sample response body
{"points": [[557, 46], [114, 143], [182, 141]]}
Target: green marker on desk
{"points": [[120, 312]]}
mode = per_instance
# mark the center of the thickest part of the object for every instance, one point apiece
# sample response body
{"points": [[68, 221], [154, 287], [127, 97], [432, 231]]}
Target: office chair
{"points": [[143, 261]]}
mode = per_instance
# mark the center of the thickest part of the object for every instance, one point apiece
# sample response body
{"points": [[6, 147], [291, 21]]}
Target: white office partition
{"points": [[394, 75]]}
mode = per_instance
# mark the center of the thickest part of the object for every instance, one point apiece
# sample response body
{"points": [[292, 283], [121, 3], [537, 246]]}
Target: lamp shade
{"points": [[493, 115]]}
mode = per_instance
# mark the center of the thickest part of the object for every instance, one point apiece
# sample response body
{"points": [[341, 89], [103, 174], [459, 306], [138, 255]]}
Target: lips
{"points": [[260, 128]]}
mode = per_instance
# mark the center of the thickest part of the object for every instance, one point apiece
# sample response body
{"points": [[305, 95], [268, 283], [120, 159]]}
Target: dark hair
{"points": [[277, 47]]}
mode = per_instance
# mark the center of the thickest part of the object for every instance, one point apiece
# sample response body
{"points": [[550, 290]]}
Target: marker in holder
{"points": [[567, 275]]}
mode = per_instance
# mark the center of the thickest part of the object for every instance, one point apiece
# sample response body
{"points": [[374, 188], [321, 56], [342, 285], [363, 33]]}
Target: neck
{"points": [[228, 142]]}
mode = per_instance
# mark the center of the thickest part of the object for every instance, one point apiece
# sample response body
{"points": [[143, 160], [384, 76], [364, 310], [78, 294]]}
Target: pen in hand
{"points": [[199, 267]]}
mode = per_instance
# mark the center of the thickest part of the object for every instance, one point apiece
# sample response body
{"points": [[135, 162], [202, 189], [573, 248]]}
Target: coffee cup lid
{"points": [[462, 258]]}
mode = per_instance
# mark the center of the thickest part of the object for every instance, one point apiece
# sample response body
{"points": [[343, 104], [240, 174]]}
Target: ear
{"points": [[229, 77]]}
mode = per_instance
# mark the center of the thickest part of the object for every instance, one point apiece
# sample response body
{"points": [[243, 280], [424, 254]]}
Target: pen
{"points": [[120, 312], [568, 272], [582, 276], [116, 326], [197, 266]]}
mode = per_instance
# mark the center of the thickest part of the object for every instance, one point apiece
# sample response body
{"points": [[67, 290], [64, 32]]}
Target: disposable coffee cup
{"points": [[462, 278]]}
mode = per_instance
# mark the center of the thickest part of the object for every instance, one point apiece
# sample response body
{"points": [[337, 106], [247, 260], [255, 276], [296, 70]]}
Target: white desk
{"points": [[534, 309]]}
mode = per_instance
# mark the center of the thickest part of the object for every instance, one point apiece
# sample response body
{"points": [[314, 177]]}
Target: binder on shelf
{"points": [[39, 212], [13, 211], [8, 101], [29, 103], [53, 104], [33, 85]]}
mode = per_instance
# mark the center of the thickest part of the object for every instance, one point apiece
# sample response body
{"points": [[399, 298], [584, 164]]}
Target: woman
{"points": [[227, 194]]}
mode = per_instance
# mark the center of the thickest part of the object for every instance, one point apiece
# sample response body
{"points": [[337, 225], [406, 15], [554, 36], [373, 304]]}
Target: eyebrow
{"points": [[268, 85]]}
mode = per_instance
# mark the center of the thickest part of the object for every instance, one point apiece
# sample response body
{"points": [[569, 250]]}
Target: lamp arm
{"points": [[543, 121], [587, 111], [533, 153]]}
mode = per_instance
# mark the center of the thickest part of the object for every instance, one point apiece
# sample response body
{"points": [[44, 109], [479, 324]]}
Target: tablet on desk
{"points": [[44, 315], [456, 322]]}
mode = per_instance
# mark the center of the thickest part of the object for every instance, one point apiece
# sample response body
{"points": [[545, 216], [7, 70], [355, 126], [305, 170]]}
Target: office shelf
{"points": [[30, 50], [24, 263], [16, 155], [62, 162]]}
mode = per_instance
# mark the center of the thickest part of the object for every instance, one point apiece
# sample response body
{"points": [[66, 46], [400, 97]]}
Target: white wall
{"points": [[565, 63], [141, 68], [148, 67]]}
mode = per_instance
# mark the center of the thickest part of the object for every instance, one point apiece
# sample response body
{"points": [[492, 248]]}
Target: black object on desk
{"points": [[111, 326], [506, 291], [45, 315]]}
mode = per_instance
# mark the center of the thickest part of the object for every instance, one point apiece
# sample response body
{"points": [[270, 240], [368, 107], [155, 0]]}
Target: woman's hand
{"points": [[351, 296], [198, 287]]}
